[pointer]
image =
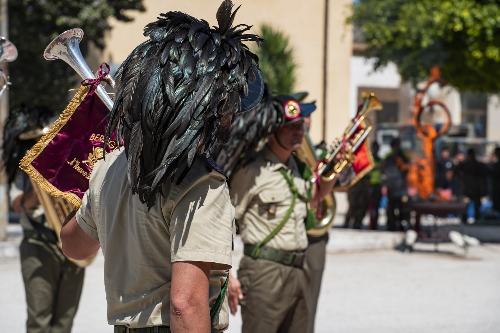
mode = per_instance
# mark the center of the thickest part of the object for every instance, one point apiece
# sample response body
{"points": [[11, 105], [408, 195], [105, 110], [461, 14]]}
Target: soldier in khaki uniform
{"points": [[159, 207], [53, 284], [181, 225], [272, 194]]}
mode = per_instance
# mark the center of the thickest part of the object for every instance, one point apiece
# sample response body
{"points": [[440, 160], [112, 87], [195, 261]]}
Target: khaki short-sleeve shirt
{"points": [[192, 222], [262, 197]]}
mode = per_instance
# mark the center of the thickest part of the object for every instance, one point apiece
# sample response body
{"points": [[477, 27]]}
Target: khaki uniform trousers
{"points": [[275, 297], [53, 287], [315, 260]]}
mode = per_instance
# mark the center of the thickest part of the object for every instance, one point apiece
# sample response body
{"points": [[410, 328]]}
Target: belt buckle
{"points": [[298, 260]]}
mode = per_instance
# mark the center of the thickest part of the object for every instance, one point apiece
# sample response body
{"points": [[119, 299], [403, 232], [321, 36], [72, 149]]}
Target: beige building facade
{"points": [[302, 21]]}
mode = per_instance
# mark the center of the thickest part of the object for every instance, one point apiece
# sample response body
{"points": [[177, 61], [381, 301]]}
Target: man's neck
{"points": [[282, 154]]}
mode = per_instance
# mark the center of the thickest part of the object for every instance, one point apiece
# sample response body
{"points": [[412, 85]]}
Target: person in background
{"points": [[357, 196], [495, 180], [375, 189], [444, 167], [473, 175], [456, 182], [53, 284], [395, 167], [272, 194]]}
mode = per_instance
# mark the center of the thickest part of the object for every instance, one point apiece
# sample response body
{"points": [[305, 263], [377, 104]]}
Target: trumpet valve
{"points": [[347, 160], [350, 157]]}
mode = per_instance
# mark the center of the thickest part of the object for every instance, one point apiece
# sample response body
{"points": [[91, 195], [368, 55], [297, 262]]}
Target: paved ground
{"points": [[371, 291]]}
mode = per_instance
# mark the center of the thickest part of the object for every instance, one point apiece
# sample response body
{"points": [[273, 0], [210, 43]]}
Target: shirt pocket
{"points": [[273, 204]]}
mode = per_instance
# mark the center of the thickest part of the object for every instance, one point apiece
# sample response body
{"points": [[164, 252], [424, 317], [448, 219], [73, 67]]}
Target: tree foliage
{"points": [[461, 36], [276, 61], [33, 24]]}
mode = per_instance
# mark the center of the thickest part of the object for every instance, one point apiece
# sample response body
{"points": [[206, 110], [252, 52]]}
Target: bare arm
{"points": [[76, 244], [30, 199], [189, 310]]}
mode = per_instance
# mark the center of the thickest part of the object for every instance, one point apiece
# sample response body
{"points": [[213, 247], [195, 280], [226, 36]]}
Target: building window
{"points": [[389, 114], [474, 108]]}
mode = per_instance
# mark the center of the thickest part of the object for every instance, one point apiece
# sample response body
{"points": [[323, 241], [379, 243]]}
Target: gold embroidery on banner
{"points": [[94, 156], [76, 165], [100, 138]]}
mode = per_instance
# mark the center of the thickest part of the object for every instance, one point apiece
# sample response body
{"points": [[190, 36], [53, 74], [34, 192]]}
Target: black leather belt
{"points": [[154, 329], [288, 258]]}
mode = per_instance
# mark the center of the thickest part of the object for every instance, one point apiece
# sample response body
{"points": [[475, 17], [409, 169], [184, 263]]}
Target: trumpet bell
{"points": [[60, 46], [66, 47], [8, 51], [328, 209], [307, 155]]}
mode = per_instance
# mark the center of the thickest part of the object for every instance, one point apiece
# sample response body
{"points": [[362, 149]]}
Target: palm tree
{"points": [[276, 61]]}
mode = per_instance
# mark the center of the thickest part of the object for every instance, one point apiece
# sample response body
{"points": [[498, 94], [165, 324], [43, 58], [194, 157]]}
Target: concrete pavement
{"points": [[368, 291]]}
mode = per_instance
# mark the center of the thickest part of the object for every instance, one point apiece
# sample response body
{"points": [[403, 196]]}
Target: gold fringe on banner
{"points": [[33, 153]]}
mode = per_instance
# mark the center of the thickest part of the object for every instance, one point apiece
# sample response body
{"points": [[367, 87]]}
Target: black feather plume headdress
{"points": [[173, 89], [23, 127], [247, 131]]}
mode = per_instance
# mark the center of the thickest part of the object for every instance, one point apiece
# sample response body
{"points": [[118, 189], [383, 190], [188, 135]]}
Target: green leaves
{"points": [[33, 24], [461, 36], [276, 61]]}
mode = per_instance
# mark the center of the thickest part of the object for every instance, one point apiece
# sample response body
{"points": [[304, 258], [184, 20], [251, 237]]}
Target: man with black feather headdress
{"points": [[53, 284], [159, 207], [272, 194]]}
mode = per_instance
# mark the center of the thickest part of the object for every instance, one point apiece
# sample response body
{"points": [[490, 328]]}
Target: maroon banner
{"points": [[62, 161]]}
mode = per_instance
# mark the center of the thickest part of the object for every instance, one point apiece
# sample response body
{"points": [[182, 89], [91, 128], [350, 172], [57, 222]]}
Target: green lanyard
{"points": [[218, 303], [310, 219], [295, 195], [294, 189]]}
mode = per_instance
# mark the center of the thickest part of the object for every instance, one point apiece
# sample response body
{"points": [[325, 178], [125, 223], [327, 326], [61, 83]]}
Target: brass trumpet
{"points": [[355, 134]]}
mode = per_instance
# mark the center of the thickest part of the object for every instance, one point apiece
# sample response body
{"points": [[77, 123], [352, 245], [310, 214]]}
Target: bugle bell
{"points": [[8, 53], [66, 47]]}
